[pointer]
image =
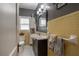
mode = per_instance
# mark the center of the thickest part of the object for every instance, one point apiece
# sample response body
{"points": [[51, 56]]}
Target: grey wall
{"points": [[54, 13], [25, 12], [7, 28]]}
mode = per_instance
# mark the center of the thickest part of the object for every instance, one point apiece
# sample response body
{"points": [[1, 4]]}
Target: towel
{"points": [[58, 46]]}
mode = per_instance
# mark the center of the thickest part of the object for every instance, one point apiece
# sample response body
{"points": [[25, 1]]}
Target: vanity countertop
{"points": [[39, 37]]}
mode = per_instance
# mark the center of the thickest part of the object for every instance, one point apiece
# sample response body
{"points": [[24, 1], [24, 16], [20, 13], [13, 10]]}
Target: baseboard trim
{"points": [[13, 51]]}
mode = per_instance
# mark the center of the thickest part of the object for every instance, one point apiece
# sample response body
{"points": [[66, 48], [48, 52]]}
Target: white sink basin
{"points": [[39, 37]]}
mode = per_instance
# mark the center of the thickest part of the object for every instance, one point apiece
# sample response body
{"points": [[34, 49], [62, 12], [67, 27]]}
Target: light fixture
{"points": [[42, 9], [42, 6], [37, 12]]}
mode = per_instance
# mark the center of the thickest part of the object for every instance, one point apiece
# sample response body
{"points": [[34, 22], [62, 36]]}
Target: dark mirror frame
{"points": [[37, 22]]}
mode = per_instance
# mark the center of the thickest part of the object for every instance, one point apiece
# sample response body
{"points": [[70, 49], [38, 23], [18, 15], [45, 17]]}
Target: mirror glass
{"points": [[42, 22]]}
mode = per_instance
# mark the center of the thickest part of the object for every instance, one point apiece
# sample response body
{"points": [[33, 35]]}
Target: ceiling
{"points": [[32, 6]]}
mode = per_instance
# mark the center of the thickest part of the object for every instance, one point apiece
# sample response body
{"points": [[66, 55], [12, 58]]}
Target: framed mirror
{"points": [[42, 22]]}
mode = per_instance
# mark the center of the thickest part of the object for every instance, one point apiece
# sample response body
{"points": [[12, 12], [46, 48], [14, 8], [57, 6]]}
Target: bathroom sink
{"points": [[39, 37]]}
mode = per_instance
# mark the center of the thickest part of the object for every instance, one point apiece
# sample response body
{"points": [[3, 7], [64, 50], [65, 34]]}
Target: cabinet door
{"points": [[42, 47]]}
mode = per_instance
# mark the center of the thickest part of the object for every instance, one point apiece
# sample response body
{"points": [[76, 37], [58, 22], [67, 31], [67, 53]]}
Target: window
{"points": [[24, 23]]}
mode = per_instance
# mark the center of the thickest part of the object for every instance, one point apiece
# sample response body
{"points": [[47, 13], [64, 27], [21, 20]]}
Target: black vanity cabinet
{"points": [[40, 47]]}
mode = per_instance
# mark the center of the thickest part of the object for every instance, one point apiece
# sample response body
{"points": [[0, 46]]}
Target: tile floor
{"points": [[27, 51]]}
